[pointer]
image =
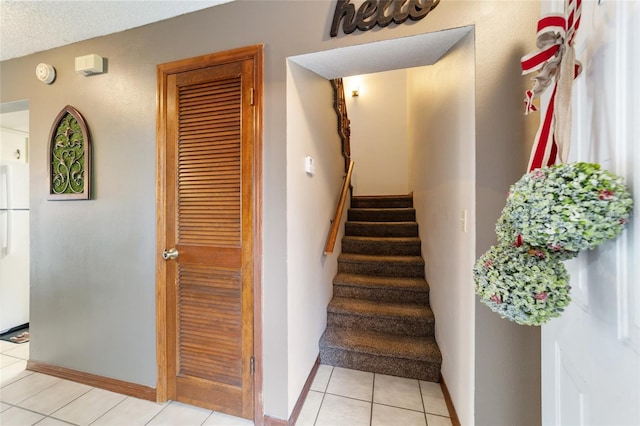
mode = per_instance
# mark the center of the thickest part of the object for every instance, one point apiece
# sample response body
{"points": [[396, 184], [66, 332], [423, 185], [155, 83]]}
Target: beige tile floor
{"points": [[340, 396], [28, 398], [337, 397]]}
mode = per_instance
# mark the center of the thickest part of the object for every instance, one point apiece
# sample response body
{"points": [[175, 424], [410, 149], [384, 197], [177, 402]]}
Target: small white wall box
{"points": [[89, 64], [309, 165]]}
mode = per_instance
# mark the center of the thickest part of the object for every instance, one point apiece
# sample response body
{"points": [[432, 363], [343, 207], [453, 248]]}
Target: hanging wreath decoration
{"points": [[568, 207], [551, 214], [554, 211], [509, 236], [529, 287]]}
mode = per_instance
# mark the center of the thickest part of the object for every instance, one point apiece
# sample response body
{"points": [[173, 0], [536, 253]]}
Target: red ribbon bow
{"points": [[555, 60]]}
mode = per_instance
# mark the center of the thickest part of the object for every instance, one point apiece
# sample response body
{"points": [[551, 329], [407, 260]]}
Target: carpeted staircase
{"points": [[379, 319]]}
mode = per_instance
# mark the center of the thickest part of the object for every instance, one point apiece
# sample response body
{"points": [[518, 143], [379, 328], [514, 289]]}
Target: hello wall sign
{"points": [[378, 12]]}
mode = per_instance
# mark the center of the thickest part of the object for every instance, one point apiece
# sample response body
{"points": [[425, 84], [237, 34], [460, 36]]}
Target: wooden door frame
{"points": [[255, 53]]}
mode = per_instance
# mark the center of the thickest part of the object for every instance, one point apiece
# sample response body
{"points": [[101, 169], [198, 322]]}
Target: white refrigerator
{"points": [[14, 230]]}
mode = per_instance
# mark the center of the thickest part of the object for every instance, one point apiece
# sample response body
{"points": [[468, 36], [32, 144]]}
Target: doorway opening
{"points": [[14, 221], [440, 87]]}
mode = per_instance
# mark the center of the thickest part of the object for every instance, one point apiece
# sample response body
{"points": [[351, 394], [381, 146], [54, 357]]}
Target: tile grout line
{"points": [[373, 391], [37, 393], [21, 408], [431, 413], [424, 408], [210, 414], [401, 408], [60, 408], [315, 420], [59, 420], [103, 414], [349, 397], [439, 415], [207, 418], [51, 415], [15, 381], [14, 357], [424, 411], [167, 403], [326, 387], [35, 412]]}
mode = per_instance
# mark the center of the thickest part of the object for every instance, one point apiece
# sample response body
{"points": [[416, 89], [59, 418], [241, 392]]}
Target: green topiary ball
{"points": [[524, 287], [568, 207]]}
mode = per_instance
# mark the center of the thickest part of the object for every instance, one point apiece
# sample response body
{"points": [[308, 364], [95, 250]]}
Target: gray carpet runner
{"points": [[379, 319]]}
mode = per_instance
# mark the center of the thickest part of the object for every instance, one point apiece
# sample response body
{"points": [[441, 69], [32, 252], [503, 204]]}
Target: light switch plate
{"points": [[309, 165], [463, 220]]}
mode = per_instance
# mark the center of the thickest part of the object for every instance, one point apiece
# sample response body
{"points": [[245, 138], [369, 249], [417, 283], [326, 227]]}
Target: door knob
{"points": [[171, 254]]}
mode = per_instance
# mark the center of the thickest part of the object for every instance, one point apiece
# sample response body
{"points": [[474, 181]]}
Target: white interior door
{"points": [[591, 355]]}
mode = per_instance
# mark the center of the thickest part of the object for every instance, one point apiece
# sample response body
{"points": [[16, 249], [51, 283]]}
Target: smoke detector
{"points": [[45, 73]]}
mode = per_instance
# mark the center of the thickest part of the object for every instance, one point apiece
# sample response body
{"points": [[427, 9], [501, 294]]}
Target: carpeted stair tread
{"points": [[398, 246], [365, 258], [375, 343], [404, 214], [381, 229], [387, 266], [383, 240], [403, 356], [369, 281], [382, 201], [372, 308], [390, 289]]}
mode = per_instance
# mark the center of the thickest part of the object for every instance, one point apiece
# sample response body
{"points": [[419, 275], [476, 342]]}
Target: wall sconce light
{"points": [[45, 73], [89, 65], [355, 92]]}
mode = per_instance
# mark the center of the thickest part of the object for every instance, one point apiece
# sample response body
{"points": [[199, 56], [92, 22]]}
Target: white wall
{"points": [[378, 132], [442, 177], [311, 202]]}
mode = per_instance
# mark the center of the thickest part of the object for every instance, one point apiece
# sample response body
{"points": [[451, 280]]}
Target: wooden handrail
{"points": [[335, 224], [344, 124]]}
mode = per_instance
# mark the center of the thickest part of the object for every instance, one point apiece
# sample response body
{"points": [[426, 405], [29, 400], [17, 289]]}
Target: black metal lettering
{"points": [[366, 11], [418, 9], [378, 12], [400, 12], [345, 10], [383, 18]]}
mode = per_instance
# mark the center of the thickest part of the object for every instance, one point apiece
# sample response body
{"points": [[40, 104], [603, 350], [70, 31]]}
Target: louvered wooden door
{"points": [[209, 220]]}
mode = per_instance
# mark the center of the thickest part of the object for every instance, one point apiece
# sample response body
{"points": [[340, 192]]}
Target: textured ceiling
{"points": [[407, 52], [33, 26]]}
